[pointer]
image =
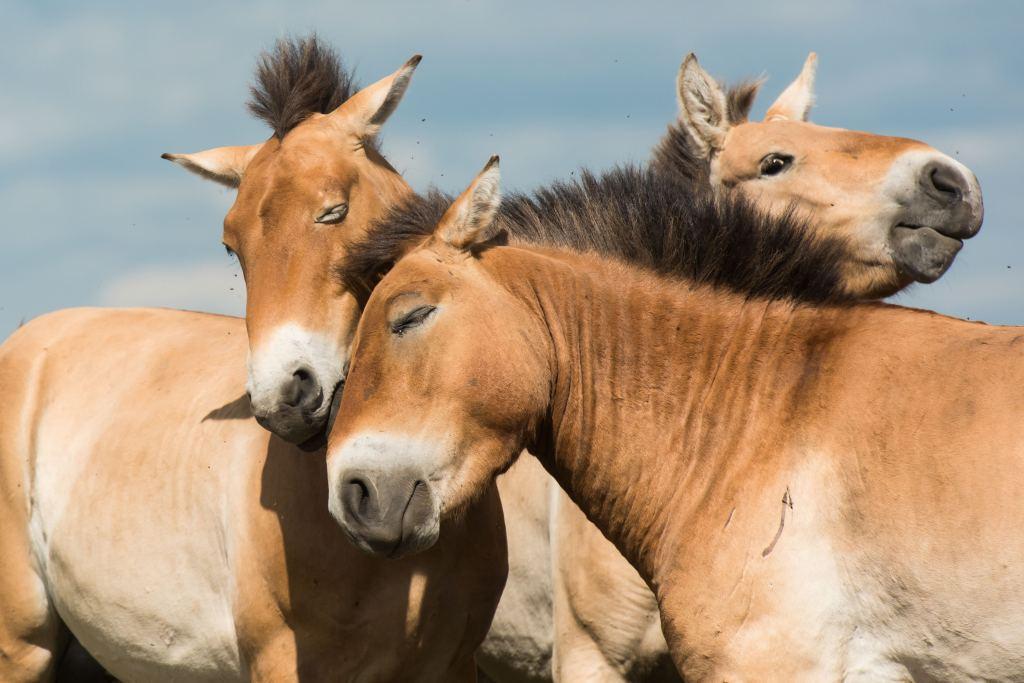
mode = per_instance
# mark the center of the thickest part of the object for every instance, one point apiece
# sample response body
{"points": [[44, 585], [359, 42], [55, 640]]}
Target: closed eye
{"points": [[332, 215], [413, 318]]}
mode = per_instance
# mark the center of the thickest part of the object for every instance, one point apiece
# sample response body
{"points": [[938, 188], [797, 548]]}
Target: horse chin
{"points": [[923, 253], [318, 441], [315, 443]]}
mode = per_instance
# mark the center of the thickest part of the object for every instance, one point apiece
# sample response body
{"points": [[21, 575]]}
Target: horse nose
{"points": [[302, 391], [953, 205], [945, 182], [383, 507]]}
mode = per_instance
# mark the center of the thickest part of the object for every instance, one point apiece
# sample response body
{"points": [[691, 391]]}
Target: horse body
{"points": [[613, 635], [813, 491], [172, 559], [848, 530]]}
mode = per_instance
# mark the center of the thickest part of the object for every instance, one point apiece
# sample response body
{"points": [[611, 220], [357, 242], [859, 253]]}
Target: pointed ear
{"points": [[703, 109], [225, 165], [795, 102], [469, 221], [365, 112]]}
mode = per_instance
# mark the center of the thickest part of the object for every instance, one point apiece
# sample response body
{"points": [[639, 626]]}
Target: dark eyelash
{"points": [[412, 319]]}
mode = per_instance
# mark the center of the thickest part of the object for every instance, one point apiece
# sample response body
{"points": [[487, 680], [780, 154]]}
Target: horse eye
{"points": [[413, 318], [335, 214], [774, 164]]}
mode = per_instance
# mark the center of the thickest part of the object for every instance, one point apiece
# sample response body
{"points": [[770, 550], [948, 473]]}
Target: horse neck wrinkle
{"points": [[659, 389]]}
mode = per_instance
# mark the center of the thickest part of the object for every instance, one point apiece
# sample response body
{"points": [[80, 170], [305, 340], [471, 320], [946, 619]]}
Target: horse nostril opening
{"points": [[948, 182], [302, 390], [356, 497]]}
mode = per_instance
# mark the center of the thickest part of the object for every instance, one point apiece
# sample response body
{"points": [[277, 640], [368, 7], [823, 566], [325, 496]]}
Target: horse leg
{"points": [[32, 636]]}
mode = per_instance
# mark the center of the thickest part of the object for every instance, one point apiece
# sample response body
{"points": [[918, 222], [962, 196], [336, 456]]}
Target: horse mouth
{"points": [[923, 252], [319, 440], [954, 233]]}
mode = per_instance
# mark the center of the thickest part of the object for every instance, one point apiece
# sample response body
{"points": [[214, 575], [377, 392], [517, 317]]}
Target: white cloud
{"points": [[532, 152], [985, 146], [214, 287]]}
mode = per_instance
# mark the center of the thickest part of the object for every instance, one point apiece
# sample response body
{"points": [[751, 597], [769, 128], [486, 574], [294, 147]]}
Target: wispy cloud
{"points": [[214, 287]]}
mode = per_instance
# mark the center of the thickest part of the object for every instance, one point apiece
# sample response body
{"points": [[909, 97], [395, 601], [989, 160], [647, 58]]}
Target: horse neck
{"points": [[657, 386]]}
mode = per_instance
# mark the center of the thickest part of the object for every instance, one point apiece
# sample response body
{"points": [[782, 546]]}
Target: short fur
{"points": [[300, 77], [641, 217], [675, 155]]}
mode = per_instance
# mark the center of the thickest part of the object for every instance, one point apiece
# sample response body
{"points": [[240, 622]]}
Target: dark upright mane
{"points": [[643, 218], [299, 78], [675, 155]]}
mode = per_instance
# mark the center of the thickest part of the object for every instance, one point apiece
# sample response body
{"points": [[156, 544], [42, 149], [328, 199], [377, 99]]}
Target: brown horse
{"points": [[573, 607], [302, 196], [143, 508], [813, 490]]}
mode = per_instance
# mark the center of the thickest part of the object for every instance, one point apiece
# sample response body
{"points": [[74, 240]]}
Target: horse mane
{"points": [[298, 78], [675, 155], [641, 217]]}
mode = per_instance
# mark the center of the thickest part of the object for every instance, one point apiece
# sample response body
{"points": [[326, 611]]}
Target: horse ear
{"points": [[225, 165], [795, 102], [469, 221], [703, 109], [367, 110]]}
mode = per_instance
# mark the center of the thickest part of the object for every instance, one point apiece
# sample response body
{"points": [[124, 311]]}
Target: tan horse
{"points": [[904, 206], [141, 506], [302, 196], [565, 578], [814, 492]]}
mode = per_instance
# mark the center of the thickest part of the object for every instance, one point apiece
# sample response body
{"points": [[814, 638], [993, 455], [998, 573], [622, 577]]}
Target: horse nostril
{"points": [[946, 182], [356, 498], [302, 390]]}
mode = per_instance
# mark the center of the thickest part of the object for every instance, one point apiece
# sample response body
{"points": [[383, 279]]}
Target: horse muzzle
{"points": [[388, 512]]}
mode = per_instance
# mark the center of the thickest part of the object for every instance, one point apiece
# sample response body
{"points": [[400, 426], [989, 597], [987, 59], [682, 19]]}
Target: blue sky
{"points": [[92, 93]]}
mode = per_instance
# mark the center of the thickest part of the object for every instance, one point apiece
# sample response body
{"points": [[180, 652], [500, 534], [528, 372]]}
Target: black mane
{"points": [[675, 156], [299, 78], [641, 217]]}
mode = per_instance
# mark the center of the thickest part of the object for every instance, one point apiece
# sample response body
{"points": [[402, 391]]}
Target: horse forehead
{"points": [[422, 271], [292, 175], [810, 139], [309, 155]]}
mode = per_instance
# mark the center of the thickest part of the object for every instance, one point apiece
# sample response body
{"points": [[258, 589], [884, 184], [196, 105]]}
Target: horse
{"points": [[573, 607], [814, 488], [146, 512]]}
